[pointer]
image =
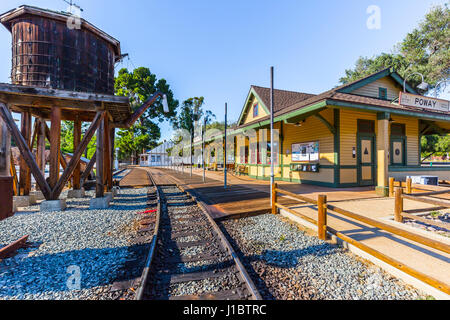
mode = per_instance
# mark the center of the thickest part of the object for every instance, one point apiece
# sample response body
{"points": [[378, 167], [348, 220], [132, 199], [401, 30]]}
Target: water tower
{"points": [[47, 53]]}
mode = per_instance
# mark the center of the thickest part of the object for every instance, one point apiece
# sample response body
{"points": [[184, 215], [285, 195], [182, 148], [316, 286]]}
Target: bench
{"points": [[242, 170]]}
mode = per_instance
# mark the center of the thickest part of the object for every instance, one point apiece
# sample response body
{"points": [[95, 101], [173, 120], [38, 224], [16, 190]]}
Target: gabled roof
{"points": [[282, 99], [351, 86], [342, 96], [7, 17]]}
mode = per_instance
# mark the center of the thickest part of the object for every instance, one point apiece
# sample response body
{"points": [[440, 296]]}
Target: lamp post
{"points": [[203, 150], [438, 85], [423, 86], [272, 136], [225, 153]]}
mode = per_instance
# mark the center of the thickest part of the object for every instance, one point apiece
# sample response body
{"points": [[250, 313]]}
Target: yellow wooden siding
{"points": [[444, 125], [412, 134], [371, 89], [325, 175], [310, 131], [349, 175], [349, 129], [261, 112]]}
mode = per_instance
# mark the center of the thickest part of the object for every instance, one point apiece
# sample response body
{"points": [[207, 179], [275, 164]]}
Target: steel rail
{"points": [[244, 275], [151, 253]]}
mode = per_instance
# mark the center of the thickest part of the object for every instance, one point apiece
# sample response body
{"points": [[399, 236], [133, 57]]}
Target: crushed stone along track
{"points": [[191, 261]]}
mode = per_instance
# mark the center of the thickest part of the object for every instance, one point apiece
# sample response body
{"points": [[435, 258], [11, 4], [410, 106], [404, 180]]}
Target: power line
{"points": [[72, 4]]}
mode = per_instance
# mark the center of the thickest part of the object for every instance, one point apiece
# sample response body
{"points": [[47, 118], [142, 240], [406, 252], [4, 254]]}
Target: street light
{"points": [[423, 86], [165, 104], [272, 136], [437, 86]]}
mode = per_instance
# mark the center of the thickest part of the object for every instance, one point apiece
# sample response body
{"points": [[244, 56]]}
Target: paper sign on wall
{"points": [[305, 152]]}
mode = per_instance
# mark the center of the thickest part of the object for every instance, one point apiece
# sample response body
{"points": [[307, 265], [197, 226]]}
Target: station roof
{"points": [[342, 96], [8, 17]]}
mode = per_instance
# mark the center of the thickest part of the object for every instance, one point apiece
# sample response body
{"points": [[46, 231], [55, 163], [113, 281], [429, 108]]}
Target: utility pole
{"points": [[225, 153], [190, 150], [272, 136], [203, 151]]}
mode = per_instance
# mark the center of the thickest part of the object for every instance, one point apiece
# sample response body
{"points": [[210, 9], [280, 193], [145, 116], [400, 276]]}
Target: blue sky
{"points": [[217, 49]]}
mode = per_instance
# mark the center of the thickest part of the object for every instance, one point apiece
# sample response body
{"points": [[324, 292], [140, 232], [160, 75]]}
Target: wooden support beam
{"points": [[40, 148], [77, 155], [13, 173], [100, 189], [89, 168], [113, 140], [25, 150], [62, 160], [106, 154], [325, 122], [25, 173], [55, 146], [76, 143], [322, 217], [398, 204]]}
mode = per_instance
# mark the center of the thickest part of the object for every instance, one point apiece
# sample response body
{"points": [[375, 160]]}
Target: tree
{"points": [[426, 50], [191, 112], [67, 138], [139, 86], [435, 145]]}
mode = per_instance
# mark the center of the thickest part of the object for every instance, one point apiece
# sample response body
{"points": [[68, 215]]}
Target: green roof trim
{"points": [[377, 76], [244, 112], [343, 104]]}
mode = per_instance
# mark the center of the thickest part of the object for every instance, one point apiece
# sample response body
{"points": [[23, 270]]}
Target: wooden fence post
{"points": [[409, 186], [391, 187], [322, 219], [274, 198], [398, 204]]}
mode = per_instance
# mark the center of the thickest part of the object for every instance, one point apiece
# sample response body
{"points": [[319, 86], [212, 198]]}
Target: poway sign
{"points": [[412, 100]]}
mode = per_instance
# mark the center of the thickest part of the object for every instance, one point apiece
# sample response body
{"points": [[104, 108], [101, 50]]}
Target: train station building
{"points": [[358, 134]]}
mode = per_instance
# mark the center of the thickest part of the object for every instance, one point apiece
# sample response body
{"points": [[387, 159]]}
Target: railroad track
{"points": [[189, 256]]}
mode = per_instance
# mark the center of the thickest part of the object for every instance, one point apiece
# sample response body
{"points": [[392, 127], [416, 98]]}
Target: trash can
{"points": [[425, 180], [6, 197]]}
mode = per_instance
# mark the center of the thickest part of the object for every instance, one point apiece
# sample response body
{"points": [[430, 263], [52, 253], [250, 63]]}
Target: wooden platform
{"points": [[135, 178], [236, 201], [162, 179]]}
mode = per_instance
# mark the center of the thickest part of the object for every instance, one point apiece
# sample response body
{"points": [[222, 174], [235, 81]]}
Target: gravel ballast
{"points": [[288, 264], [91, 243]]}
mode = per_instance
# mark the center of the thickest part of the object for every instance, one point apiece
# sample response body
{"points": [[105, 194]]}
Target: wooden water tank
{"points": [[47, 53]]}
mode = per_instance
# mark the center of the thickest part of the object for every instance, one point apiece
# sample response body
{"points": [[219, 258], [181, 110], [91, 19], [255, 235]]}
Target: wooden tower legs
{"points": [[25, 172], [35, 163], [55, 146], [76, 143]]}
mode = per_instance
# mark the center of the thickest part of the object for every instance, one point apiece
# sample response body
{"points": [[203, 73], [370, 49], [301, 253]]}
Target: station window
{"points": [[366, 126], [255, 110], [398, 129], [382, 93]]}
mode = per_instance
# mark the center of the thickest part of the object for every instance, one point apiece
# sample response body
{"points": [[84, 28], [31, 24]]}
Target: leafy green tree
{"points": [[426, 50], [428, 46], [139, 85], [191, 112], [435, 145], [67, 138]]}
